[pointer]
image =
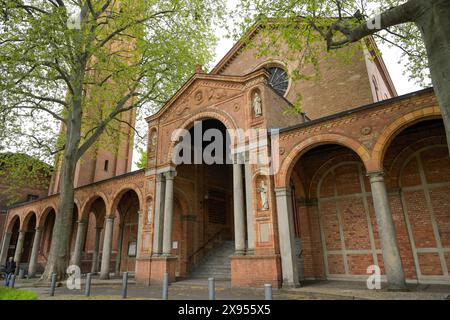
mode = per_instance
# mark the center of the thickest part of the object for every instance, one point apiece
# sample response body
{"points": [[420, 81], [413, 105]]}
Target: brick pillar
{"points": [[386, 229], [107, 246], [79, 243], [34, 253], [286, 237], [159, 215], [168, 213]]}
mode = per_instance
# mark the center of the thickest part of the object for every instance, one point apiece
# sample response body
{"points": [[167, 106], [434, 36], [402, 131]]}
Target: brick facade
{"points": [[324, 161]]}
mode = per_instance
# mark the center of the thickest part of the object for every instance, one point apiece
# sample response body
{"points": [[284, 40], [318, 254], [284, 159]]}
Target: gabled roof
{"points": [[253, 31], [211, 77]]}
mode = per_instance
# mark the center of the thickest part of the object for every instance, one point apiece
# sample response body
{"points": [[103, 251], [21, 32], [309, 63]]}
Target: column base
{"points": [[239, 253], [243, 271], [291, 285], [104, 276], [161, 265]]}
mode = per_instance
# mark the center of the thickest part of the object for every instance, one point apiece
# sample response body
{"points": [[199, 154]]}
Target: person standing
{"points": [[10, 269]]}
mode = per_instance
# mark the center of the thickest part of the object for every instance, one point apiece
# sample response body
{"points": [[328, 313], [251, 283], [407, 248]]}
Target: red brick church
{"points": [[363, 179]]}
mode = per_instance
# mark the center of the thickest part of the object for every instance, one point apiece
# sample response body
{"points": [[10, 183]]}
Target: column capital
{"points": [[280, 192], [170, 175], [81, 222], [239, 157], [377, 176], [160, 177]]}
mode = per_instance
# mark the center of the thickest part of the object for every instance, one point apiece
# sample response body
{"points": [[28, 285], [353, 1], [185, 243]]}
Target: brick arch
{"points": [[412, 155], [326, 172], [42, 217], [215, 114], [393, 170], [315, 141], [395, 128], [121, 192], [27, 218], [183, 200], [327, 166], [12, 221], [83, 214]]}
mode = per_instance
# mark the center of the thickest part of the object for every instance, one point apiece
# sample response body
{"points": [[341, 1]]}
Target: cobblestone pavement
{"points": [[197, 290]]}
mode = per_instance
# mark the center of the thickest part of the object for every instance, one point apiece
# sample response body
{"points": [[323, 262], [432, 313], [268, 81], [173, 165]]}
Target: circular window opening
{"points": [[278, 79]]}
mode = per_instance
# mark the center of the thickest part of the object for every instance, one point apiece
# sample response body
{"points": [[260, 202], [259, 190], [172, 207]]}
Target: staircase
{"points": [[216, 264]]}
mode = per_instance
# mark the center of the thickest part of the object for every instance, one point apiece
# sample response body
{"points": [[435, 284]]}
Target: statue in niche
{"points": [[257, 105], [263, 192]]}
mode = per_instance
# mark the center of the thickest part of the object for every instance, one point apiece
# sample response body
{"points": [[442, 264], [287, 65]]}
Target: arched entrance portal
{"points": [[203, 203], [30, 230], [47, 235], [335, 224], [14, 229], [418, 165], [128, 214]]}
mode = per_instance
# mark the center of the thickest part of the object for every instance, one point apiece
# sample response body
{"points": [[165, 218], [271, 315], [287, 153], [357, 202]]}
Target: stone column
{"points": [[139, 235], [79, 243], [239, 217], [158, 222], [19, 249], [5, 246], [139, 240], [286, 237], [249, 208], [386, 228], [34, 253], [168, 213], [107, 246], [95, 254]]}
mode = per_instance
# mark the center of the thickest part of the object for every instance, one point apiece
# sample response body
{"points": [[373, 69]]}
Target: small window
{"points": [[106, 165], [32, 197]]}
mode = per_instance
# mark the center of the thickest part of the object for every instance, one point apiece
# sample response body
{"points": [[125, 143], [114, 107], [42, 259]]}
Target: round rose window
{"points": [[278, 80]]}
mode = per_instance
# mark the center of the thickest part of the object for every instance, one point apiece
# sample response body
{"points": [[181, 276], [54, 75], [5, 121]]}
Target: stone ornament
{"points": [[366, 130], [257, 105], [263, 193]]}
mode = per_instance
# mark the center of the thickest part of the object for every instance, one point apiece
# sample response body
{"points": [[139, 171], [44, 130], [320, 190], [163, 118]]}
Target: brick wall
{"points": [[340, 236]]}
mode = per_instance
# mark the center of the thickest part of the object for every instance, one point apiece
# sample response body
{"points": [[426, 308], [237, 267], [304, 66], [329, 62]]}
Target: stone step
{"points": [[216, 263]]}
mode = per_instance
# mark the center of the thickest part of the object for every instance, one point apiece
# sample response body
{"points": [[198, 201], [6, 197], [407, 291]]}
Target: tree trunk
{"points": [[435, 27], [59, 256]]}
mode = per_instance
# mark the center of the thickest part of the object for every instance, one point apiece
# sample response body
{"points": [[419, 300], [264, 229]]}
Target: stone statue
{"points": [[263, 190], [257, 105]]}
